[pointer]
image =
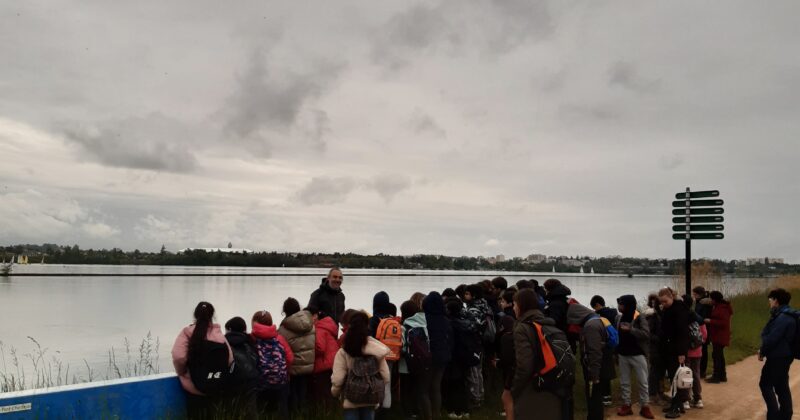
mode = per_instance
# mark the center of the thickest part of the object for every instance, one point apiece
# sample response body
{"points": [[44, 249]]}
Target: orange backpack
{"points": [[390, 333]]}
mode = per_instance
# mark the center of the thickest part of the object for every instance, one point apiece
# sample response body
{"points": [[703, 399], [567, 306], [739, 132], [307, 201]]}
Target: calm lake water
{"points": [[81, 318]]}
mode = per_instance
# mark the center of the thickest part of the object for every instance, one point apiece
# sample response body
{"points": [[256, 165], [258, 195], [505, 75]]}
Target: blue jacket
{"points": [[778, 334]]}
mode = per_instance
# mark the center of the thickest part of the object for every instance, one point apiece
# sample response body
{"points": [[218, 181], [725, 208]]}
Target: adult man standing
{"points": [[329, 298], [776, 347]]}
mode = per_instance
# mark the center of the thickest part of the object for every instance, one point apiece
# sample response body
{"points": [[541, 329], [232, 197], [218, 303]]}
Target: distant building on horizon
{"points": [[537, 258], [500, 258], [764, 260], [222, 250]]}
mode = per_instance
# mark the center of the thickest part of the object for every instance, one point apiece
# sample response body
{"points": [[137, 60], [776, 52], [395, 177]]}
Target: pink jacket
{"points": [[698, 352], [180, 354], [266, 332], [326, 345]]}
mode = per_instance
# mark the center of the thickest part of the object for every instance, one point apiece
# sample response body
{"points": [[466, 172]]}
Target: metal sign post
{"points": [[690, 223]]}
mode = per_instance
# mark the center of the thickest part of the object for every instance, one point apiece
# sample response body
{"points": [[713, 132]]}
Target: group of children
{"points": [[441, 352]]}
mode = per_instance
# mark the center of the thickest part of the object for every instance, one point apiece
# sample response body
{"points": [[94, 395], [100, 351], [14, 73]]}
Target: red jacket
{"points": [[266, 332], [326, 345], [719, 329]]}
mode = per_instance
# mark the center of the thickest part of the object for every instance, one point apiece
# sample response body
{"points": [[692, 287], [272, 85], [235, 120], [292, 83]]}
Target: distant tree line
{"points": [[58, 254]]}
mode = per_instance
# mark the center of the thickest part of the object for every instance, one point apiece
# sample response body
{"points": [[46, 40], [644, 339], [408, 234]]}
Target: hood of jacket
{"points": [[381, 305], [706, 301], [629, 303], [375, 348], [327, 324], [433, 304], [299, 323], [577, 314], [264, 332], [417, 320], [724, 307], [536, 315], [559, 291], [236, 339]]}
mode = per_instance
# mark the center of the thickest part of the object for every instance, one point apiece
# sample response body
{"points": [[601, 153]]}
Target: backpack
{"points": [[390, 333], [363, 384], [557, 374], [272, 367], [613, 335], [209, 370], [795, 344], [573, 330], [695, 336], [684, 379], [245, 361], [419, 356], [490, 332], [467, 347]]}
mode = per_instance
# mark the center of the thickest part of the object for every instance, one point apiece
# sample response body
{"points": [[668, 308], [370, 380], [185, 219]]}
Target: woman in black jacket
{"points": [[674, 335]]}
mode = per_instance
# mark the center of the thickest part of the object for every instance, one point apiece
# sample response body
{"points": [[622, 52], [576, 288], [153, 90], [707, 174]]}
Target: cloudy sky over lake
{"points": [[452, 127]]}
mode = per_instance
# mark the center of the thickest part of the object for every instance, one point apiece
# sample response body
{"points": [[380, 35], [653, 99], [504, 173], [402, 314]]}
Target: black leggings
{"points": [[718, 355]]}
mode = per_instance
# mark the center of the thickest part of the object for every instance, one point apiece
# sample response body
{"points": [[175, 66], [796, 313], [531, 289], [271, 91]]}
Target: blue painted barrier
{"points": [[146, 397]]}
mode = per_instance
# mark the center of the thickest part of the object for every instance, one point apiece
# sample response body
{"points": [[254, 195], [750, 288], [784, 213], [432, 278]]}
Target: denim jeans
{"points": [[639, 366], [363, 413], [775, 383]]}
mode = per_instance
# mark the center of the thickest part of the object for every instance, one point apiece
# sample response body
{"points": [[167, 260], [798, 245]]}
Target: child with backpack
{"points": [[535, 391], [596, 337], [599, 305], [780, 345], [698, 334], [360, 372], [408, 395], [245, 372], [484, 317], [387, 330], [202, 360], [325, 348], [275, 357], [298, 329]]}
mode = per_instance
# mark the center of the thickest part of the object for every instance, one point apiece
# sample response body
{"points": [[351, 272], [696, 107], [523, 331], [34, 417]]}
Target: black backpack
{"points": [[245, 371], [560, 379], [795, 344], [418, 358], [209, 368], [467, 347]]}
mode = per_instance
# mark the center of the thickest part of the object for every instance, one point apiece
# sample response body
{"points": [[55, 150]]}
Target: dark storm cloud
{"points": [[422, 123], [627, 76], [388, 186], [153, 142], [495, 27], [268, 103], [326, 190]]}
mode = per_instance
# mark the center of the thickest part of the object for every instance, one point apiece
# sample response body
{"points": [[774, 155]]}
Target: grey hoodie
{"points": [[593, 338]]}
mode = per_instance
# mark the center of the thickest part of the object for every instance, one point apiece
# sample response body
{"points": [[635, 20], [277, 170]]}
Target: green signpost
{"points": [[686, 206]]}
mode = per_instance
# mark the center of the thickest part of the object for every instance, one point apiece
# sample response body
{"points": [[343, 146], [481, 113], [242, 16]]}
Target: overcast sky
{"points": [[450, 127]]}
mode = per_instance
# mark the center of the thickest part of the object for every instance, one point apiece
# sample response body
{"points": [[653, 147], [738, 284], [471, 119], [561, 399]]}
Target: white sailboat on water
{"points": [[581, 270], [592, 270], [554, 269]]}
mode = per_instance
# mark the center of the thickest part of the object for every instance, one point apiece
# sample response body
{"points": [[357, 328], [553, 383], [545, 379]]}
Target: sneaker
{"points": [[698, 404], [672, 414], [624, 410], [686, 405], [646, 412], [454, 416], [502, 413], [607, 401], [714, 380]]}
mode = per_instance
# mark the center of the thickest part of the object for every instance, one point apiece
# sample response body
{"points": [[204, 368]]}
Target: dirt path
{"points": [[738, 399]]}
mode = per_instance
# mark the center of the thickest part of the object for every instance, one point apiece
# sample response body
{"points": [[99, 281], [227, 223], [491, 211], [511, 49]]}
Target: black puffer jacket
{"points": [[674, 333], [440, 333], [328, 300]]}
